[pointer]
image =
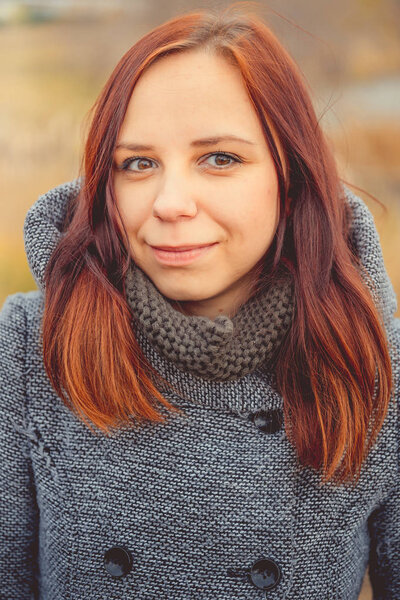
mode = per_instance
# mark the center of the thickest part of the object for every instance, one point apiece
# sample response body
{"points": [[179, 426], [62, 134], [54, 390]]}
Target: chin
{"points": [[183, 293], [178, 288]]}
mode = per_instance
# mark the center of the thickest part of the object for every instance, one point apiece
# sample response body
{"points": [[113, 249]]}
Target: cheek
{"points": [[132, 213], [257, 218]]}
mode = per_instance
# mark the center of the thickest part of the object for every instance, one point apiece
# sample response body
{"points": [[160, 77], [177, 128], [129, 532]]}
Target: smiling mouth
{"points": [[180, 255], [181, 248]]}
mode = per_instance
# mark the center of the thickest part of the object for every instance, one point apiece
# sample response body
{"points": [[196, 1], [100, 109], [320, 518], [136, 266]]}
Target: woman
{"points": [[200, 402]]}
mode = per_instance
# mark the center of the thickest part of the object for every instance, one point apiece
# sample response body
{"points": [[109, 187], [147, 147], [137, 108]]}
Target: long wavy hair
{"points": [[333, 369]]}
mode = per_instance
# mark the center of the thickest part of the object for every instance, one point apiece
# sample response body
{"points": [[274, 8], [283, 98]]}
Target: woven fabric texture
{"points": [[197, 501]]}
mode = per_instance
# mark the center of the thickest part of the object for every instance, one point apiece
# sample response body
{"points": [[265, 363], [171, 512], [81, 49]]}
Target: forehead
{"points": [[190, 93]]}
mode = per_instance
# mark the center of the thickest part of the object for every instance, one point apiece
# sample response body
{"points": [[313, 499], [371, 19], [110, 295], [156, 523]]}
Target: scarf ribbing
{"points": [[222, 349]]}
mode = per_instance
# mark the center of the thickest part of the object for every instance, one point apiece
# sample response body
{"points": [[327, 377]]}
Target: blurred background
{"points": [[56, 55]]}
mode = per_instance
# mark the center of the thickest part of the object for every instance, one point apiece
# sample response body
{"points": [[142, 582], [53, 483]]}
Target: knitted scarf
{"points": [[222, 349]]}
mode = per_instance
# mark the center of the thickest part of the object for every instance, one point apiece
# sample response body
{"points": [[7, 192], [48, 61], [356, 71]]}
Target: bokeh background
{"points": [[56, 55]]}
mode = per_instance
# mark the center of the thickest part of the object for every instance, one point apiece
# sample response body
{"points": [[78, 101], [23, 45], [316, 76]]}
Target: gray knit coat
{"points": [[212, 505]]}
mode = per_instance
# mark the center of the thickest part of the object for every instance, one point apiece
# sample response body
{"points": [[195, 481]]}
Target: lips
{"points": [[181, 248], [180, 255]]}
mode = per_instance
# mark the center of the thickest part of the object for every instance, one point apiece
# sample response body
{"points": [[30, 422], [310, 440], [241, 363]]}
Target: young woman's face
{"points": [[181, 181]]}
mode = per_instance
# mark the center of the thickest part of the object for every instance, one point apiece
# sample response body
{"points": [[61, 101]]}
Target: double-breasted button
{"points": [[268, 421], [265, 574], [118, 561]]}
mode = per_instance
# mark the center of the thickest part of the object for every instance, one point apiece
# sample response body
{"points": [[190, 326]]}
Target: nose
{"points": [[175, 200]]}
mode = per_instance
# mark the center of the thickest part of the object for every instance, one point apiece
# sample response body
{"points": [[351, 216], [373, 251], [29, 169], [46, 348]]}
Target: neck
{"points": [[210, 308], [226, 304]]}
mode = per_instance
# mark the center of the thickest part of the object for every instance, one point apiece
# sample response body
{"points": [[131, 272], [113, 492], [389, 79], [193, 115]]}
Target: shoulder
{"points": [[17, 318], [20, 319], [20, 309]]}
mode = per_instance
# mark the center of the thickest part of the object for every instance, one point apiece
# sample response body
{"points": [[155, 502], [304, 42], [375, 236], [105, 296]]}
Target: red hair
{"points": [[336, 350]]}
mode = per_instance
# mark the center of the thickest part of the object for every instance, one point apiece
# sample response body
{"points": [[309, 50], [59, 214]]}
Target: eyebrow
{"points": [[209, 141]]}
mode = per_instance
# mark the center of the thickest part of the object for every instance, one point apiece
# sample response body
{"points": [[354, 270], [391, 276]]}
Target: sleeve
{"points": [[18, 508], [384, 522]]}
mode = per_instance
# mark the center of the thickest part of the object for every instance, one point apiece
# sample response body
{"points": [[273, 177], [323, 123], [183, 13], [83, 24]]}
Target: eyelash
{"points": [[128, 161]]}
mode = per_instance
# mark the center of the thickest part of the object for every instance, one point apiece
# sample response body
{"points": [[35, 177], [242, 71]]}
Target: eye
{"points": [[141, 162], [223, 160]]}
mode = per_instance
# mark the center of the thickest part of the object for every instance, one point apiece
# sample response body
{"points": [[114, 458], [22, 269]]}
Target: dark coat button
{"points": [[265, 574], [118, 561], [268, 421]]}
